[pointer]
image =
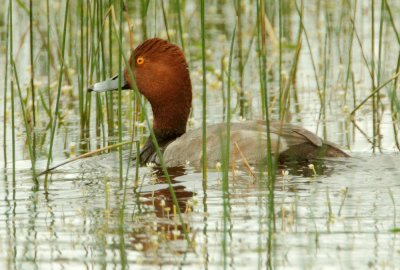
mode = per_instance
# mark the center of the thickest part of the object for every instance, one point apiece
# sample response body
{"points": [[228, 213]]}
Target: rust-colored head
{"points": [[162, 76]]}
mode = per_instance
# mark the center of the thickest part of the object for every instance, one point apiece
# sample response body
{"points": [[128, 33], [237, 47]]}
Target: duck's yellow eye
{"points": [[140, 60]]}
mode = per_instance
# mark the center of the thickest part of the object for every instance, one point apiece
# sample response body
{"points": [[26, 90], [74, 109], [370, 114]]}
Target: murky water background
{"points": [[346, 217]]}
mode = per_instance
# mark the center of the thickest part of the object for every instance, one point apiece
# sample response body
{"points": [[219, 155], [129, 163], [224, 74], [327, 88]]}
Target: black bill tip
{"points": [[108, 85]]}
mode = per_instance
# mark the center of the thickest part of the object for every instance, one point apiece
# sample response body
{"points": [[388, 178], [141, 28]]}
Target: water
{"points": [[345, 217]]}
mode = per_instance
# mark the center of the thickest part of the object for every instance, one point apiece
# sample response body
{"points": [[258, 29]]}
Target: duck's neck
{"points": [[169, 121]]}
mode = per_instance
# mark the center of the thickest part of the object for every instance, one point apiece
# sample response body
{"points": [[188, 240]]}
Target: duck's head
{"points": [[162, 76]]}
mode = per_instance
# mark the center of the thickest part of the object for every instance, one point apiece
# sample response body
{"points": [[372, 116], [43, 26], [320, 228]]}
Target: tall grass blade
{"points": [[180, 28], [226, 156], [33, 95], [11, 51], [28, 131], [56, 109], [204, 93], [8, 43]]}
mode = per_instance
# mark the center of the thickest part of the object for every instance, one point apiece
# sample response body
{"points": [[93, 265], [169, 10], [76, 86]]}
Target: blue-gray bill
{"points": [[109, 85]]}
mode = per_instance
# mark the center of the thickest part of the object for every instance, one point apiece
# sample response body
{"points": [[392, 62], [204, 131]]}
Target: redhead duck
{"points": [[162, 76]]}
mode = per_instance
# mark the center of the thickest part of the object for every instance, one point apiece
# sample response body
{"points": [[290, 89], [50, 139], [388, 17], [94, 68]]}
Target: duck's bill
{"points": [[109, 85]]}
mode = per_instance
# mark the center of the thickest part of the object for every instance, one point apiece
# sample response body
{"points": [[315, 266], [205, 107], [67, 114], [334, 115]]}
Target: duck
{"points": [[162, 76]]}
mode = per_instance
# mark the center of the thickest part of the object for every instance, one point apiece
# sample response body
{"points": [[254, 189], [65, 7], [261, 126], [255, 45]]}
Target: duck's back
{"points": [[249, 142]]}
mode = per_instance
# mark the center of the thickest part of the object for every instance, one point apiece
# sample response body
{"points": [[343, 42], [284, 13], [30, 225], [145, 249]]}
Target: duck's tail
{"points": [[308, 151], [332, 150]]}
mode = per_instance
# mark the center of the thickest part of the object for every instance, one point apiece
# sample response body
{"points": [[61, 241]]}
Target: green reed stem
{"points": [[395, 107], [86, 47], [361, 47], [28, 131], [225, 159], [178, 10], [13, 130], [374, 98], [109, 96], [81, 74], [240, 95], [284, 105], [393, 24], [293, 72], [204, 93], [259, 35], [133, 136], [300, 12], [281, 107], [223, 87], [137, 164], [85, 155], [95, 59], [261, 44], [48, 50], [123, 254], [165, 20], [120, 97], [102, 71], [325, 81], [379, 75], [350, 52], [394, 102], [246, 55], [152, 135], [144, 6], [380, 71], [374, 92], [56, 110], [33, 96], [10, 27], [5, 90], [121, 229], [261, 39]]}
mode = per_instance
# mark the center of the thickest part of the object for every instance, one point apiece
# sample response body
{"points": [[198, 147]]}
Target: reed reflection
{"points": [[166, 225]]}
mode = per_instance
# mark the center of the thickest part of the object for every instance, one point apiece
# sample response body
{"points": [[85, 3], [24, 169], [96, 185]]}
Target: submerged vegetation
{"points": [[331, 67]]}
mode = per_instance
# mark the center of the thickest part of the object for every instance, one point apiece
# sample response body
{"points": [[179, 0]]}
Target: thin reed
{"points": [[204, 93], [8, 45], [226, 145], [57, 103]]}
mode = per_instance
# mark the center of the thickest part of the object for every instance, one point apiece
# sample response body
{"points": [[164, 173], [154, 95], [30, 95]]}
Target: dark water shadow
{"points": [[166, 225], [311, 168]]}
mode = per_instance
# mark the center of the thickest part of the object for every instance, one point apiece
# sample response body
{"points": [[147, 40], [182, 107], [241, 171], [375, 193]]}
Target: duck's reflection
{"points": [[166, 224], [163, 223], [309, 168]]}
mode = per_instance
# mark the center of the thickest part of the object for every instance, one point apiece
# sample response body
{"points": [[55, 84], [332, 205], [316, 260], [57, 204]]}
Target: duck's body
{"points": [[162, 76], [248, 144]]}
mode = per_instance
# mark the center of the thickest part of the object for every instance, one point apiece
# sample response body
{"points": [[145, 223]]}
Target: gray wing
{"points": [[248, 139]]}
